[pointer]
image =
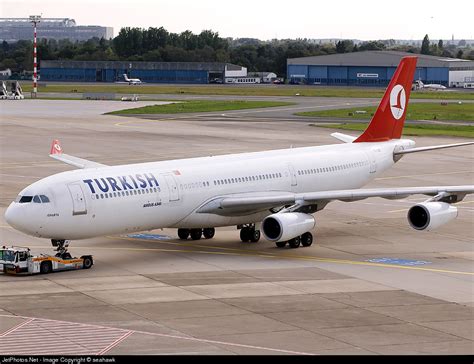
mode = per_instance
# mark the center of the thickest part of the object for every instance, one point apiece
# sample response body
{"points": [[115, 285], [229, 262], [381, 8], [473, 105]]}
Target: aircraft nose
{"points": [[13, 216], [9, 214]]}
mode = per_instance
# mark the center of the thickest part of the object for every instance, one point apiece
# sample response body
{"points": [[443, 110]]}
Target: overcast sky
{"points": [[267, 19]]}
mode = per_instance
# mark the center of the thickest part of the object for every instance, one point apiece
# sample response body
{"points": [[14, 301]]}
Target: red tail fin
{"points": [[389, 118]]}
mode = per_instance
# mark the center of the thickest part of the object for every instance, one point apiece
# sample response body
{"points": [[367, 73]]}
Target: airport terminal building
{"points": [[375, 68], [15, 29], [150, 72]]}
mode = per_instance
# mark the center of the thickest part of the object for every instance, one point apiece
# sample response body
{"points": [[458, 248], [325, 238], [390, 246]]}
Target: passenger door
{"points": [[172, 187], [373, 160], [78, 200], [294, 181]]}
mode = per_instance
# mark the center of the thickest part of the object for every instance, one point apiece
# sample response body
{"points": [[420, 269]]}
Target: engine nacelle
{"points": [[430, 215], [286, 225]]}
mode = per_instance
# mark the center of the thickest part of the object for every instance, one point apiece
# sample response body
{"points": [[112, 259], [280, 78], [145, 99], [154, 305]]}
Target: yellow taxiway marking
{"points": [[241, 252], [140, 120], [260, 254]]}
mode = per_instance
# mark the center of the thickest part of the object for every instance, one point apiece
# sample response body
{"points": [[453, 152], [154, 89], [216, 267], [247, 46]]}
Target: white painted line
{"points": [[20, 325], [75, 348], [119, 340]]}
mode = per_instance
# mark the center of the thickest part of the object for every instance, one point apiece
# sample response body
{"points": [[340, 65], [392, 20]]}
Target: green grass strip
{"points": [[249, 90], [421, 111], [200, 106]]}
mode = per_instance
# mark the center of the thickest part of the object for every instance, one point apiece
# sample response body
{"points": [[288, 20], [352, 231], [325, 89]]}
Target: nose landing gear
{"points": [[61, 248]]}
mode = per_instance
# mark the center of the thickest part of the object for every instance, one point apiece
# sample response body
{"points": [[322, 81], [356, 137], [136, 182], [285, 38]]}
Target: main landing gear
{"points": [[196, 234], [305, 240], [248, 233], [61, 248]]}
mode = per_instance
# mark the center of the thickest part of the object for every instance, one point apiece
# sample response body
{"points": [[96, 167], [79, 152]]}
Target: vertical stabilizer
{"points": [[389, 118]]}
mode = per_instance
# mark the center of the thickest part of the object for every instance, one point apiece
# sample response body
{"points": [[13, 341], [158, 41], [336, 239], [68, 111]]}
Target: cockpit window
{"points": [[25, 199], [44, 199], [36, 199]]}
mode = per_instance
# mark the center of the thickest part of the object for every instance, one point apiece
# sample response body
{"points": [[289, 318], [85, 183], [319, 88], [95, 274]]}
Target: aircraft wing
{"points": [[57, 153], [239, 204]]}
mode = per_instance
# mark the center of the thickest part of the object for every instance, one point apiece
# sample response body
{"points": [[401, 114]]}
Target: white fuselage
{"points": [[127, 198]]}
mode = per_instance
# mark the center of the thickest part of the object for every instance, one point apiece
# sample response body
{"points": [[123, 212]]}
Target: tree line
{"points": [[157, 44]]}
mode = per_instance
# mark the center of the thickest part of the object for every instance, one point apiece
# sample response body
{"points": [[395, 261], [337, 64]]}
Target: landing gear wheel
{"points": [[196, 234], [295, 243], [183, 234], [209, 233], [307, 239], [280, 244], [254, 236], [245, 234]]}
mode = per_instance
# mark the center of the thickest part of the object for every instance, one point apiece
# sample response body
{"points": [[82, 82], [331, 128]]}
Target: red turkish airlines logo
{"points": [[397, 101]]}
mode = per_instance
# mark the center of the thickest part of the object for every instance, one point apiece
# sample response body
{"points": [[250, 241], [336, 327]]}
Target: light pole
{"points": [[35, 19]]}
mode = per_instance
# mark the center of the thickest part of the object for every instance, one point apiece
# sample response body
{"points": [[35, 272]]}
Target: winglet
{"points": [[389, 118], [57, 153], [56, 147]]}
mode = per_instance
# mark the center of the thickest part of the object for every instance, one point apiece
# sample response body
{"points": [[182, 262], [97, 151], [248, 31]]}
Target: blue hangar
{"points": [[375, 68], [150, 72]]}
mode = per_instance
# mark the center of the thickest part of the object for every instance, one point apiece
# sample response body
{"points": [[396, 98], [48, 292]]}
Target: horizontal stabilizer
{"points": [[425, 149], [344, 137]]}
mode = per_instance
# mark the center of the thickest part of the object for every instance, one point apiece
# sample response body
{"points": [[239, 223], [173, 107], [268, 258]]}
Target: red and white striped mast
{"points": [[35, 19]]}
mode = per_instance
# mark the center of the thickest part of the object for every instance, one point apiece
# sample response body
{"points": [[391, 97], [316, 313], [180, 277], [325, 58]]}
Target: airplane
{"points": [[272, 192], [430, 86], [132, 81]]}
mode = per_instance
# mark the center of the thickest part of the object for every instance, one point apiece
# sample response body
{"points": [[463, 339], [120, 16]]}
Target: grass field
{"points": [[466, 131], [253, 90], [200, 106], [421, 111]]}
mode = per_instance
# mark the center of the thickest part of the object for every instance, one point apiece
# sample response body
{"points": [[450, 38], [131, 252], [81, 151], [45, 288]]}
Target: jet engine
{"points": [[286, 225], [430, 215]]}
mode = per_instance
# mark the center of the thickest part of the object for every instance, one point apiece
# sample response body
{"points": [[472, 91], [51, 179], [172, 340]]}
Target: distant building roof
{"points": [[379, 58], [45, 22], [131, 65], [14, 29], [262, 74]]}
